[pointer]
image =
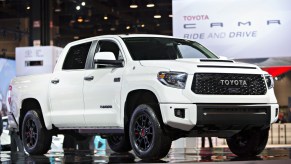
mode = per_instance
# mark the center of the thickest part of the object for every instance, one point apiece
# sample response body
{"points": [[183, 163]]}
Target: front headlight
{"points": [[269, 81], [173, 79]]}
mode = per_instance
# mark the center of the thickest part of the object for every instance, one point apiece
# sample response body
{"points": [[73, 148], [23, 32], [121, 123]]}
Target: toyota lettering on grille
{"points": [[233, 82]]}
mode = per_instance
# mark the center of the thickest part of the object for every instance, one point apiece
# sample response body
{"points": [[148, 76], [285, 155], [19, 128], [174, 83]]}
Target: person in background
{"points": [[281, 118], [209, 140]]}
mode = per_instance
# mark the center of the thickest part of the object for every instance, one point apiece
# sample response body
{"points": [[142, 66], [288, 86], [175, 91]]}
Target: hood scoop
{"points": [[216, 60], [222, 66]]}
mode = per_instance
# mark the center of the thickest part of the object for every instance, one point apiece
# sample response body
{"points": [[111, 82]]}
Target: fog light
{"points": [[180, 112]]}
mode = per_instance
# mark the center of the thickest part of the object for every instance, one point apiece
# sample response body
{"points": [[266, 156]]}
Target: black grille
{"points": [[228, 84]]}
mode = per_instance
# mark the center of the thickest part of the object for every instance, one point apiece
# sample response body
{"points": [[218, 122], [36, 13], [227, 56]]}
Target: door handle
{"points": [[88, 78], [55, 81]]}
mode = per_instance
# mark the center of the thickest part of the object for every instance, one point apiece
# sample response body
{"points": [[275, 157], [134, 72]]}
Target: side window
{"points": [[76, 56], [109, 46]]}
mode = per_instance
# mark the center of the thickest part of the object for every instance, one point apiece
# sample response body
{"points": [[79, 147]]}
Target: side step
{"points": [[101, 131]]}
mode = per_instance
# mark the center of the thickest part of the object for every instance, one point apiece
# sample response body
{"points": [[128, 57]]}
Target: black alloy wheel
{"points": [[35, 137], [30, 132], [143, 130], [147, 137]]}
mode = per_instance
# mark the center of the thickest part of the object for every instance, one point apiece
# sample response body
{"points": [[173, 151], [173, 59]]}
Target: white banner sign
{"points": [[236, 28]]}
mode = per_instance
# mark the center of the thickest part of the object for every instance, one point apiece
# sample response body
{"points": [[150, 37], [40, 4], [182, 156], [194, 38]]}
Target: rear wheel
{"points": [[119, 143], [147, 138], [35, 137], [248, 143]]}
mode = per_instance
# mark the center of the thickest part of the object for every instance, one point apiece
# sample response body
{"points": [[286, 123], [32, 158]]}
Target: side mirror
{"points": [[107, 59], [104, 56]]}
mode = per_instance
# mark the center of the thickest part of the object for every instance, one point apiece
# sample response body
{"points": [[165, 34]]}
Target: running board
{"points": [[101, 131]]}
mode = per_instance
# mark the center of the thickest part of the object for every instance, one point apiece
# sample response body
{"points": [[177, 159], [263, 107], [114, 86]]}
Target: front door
{"points": [[102, 90]]}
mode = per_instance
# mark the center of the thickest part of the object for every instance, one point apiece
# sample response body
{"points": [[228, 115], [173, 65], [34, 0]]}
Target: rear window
{"points": [[76, 56]]}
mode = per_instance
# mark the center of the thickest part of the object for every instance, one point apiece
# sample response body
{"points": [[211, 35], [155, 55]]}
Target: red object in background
{"points": [[277, 70]]}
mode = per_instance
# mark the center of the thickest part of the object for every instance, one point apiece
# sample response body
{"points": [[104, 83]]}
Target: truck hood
{"points": [[196, 65]]}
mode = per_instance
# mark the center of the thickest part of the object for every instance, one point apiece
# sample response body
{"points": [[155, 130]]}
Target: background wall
{"points": [[7, 72], [236, 28], [283, 89], [13, 33]]}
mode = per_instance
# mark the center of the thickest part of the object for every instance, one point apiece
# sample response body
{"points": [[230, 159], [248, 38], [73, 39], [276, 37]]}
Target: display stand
{"points": [[36, 60]]}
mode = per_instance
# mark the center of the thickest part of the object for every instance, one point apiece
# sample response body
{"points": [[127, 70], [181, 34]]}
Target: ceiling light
{"points": [[83, 3], [150, 5], [80, 19], [78, 7], [28, 8], [142, 25], [87, 20], [58, 10], [157, 16], [105, 17], [170, 15], [58, 6], [127, 27], [99, 29], [112, 29], [158, 25], [76, 37], [133, 5]]}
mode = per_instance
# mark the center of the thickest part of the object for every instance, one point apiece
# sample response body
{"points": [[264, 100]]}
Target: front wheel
{"points": [[248, 143], [148, 140], [35, 137]]}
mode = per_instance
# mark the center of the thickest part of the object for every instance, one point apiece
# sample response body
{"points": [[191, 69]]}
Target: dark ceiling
{"points": [[88, 21]]}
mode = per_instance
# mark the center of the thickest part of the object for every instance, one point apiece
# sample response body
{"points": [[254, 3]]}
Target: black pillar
{"points": [[40, 22]]}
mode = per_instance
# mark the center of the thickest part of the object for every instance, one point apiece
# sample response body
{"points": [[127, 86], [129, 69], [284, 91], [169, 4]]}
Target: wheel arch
{"points": [[137, 97], [32, 104]]}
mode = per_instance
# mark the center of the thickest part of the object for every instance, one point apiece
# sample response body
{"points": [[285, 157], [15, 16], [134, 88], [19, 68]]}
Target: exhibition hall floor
{"points": [[269, 155]]}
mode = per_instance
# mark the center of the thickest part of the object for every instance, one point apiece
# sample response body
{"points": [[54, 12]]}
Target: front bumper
{"points": [[218, 116]]}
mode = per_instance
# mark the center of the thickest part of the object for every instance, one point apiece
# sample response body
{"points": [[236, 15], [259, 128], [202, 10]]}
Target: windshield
{"points": [[154, 48]]}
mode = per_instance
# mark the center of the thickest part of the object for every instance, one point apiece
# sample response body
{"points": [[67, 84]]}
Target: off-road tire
{"points": [[248, 143], [119, 143], [147, 138], [36, 138]]}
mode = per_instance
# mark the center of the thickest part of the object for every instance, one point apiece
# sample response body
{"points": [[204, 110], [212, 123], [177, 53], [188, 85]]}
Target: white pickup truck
{"points": [[141, 92]]}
